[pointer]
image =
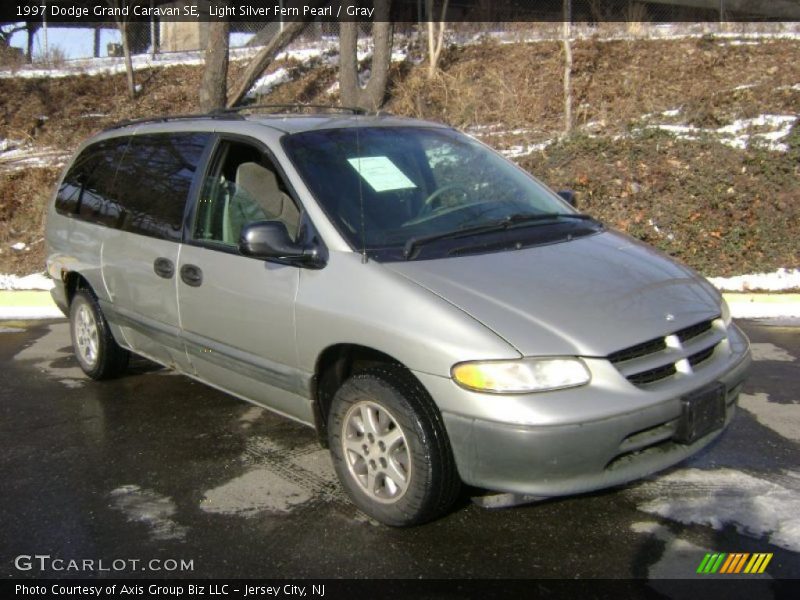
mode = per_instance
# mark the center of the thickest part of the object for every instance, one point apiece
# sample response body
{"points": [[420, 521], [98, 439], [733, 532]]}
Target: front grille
{"points": [[687, 333], [697, 358], [643, 349], [652, 375], [677, 353]]}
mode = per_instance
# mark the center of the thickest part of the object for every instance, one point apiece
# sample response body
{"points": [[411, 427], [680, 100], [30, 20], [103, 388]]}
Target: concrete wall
{"points": [[181, 36]]}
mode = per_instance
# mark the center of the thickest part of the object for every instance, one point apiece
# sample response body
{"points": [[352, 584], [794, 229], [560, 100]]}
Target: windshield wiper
{"points": [[508, 222]]}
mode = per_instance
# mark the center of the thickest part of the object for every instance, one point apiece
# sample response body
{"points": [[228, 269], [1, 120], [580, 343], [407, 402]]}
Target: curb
{"points": [[759, 306], [23, 305], [37, 304]]}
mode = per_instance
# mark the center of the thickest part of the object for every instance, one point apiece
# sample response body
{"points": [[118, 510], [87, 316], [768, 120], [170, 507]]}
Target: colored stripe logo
{"points": [[736, 562]]}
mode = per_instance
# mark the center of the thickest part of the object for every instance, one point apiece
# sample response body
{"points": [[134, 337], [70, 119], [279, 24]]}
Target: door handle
{"points": [[164, 267], [192, 275]]}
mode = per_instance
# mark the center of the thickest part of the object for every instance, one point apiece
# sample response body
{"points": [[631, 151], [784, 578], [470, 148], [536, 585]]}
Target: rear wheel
{"points": [[390, 449], [97, 352]]}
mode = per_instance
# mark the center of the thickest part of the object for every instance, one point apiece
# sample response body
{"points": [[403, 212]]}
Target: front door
{"points": [[237, 313]]}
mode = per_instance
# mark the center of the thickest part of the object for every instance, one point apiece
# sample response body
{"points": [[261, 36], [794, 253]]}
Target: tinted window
{"points": [[88, 187], [154, 180]]}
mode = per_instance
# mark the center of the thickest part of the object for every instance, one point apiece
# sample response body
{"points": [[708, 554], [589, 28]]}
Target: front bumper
{"points": [[552, 458]]}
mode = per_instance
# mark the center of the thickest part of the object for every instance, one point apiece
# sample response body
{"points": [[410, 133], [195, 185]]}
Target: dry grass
{"points": [[25, 195]]}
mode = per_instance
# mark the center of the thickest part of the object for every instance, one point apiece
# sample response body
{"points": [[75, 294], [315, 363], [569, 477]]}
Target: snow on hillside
{"points": [[16, 155], [765, 130]]}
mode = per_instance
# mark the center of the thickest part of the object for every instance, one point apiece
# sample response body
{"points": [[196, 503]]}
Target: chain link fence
{"points": [[529, 20]]}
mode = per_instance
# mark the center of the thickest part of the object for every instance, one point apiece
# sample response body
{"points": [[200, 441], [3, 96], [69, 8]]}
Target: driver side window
{"points": [[243, 187]]}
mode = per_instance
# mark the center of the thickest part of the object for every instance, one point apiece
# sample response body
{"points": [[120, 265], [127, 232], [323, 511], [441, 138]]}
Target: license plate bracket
{"points": [[702, 412]]}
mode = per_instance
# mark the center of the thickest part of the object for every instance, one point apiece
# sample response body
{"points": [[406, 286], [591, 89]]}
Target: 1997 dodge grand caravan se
{"points": [[437, 314]]}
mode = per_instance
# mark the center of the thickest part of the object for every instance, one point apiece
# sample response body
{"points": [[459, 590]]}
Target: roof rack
{"points": [[234, 113], [167, 118], [292, 108]]}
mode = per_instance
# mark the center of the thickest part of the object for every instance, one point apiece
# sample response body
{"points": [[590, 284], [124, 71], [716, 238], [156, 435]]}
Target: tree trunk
{"points": [[348, 64], [31, 32], [435, 36], [370, 96], [214, 86], [262, 60], [122, 25], [126, 51], [567, 68], [96, 50]]}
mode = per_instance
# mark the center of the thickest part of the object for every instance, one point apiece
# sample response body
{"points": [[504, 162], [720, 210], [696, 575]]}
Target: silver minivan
{"points": [[438, 315]]}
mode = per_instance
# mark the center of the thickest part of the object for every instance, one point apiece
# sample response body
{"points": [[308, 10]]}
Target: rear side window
{"points": [[88, 187], [138, 183], [154, 180]]}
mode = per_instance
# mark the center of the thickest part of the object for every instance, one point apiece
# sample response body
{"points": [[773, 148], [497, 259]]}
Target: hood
{"points": [[589, 297]]}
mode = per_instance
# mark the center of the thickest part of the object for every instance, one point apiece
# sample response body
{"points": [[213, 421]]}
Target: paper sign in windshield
{"points": [[381, 173]]}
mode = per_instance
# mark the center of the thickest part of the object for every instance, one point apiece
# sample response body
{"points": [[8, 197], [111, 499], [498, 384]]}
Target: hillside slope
{"points": [[692, 145]]}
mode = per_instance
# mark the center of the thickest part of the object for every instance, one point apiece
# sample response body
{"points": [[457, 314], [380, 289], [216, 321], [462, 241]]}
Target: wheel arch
{"points": [[74, 281], [333, 366]]}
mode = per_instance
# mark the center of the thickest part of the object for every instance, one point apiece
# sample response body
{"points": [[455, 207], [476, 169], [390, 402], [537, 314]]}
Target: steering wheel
{"points": [[428, 205]]}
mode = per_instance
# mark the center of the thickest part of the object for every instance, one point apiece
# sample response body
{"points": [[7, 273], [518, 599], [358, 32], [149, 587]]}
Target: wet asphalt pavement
{"points": [[157, 466]]}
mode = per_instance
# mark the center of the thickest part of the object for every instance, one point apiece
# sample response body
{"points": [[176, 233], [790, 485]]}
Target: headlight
{"points": [[520, 376], [726, 313]]}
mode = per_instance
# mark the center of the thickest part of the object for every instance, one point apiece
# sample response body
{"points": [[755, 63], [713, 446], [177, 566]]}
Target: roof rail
{"points": [[167, 118], [292, 108]]}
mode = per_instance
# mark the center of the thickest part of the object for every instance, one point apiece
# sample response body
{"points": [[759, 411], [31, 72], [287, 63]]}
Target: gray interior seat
{"points": [[258, 197]]}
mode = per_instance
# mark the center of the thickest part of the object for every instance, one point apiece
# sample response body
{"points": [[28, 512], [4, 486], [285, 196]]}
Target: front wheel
{"points": [[98, 354], [390, 449]]}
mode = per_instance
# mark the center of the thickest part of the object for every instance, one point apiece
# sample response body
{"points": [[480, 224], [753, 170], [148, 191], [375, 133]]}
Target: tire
{"points": [[390, 449], [98, 354]]}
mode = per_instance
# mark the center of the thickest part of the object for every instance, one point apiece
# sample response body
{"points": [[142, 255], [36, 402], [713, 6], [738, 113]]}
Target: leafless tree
{"points": [[567, 66], [8, 30], [263, 59], [214, 86], [435, 35], [122, 25], [371, 95]]}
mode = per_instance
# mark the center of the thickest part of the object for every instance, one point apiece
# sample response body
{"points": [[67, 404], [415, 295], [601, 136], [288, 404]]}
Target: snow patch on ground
{"points": [[113, 65], [326, 49], [780, 280], [724, 497], [517, 151], [34, 281], [783, 419], [148, 507], [764, 130], [267, 83], [16, 155], [257, 490]]}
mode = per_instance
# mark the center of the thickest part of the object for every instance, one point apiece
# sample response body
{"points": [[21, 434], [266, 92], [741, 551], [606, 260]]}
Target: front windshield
{"points": [[384, 186]]}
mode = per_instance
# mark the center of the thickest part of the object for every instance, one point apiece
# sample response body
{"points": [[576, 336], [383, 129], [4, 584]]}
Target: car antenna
{"points": [[361, 193]]}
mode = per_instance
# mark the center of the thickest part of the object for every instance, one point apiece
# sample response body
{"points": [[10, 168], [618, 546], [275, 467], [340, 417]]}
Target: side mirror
{"points": [[569, 196], [271, 240]]}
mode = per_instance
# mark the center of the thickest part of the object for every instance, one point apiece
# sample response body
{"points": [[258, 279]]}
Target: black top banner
{"points": [[78, 12]]}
